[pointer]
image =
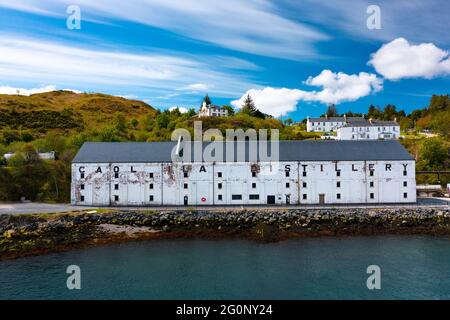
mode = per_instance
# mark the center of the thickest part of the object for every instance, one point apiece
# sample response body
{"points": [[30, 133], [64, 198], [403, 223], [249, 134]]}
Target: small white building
{"points": [[42, 155], [329, 124], [369, 130], [306, 172], [212, 111]]}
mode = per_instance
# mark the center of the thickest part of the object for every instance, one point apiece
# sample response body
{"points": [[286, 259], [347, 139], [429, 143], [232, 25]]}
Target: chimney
{"points": [[395, 119], [370, 120], [204, 104], [326, 115]]}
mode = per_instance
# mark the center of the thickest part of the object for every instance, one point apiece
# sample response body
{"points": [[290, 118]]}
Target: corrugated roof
{"points": [[337, 119], [146, 152]]}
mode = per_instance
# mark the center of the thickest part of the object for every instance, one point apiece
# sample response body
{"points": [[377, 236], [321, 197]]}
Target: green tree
{"points": [[434, 153], [207, 100], [230, 110], [134, 123], [332, 111], [249, 106], [120, 123]]}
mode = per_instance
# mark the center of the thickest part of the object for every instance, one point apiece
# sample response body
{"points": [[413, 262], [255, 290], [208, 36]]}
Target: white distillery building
{"points": [[212, 111], [329, 124], [308, 172], [369, 130]]}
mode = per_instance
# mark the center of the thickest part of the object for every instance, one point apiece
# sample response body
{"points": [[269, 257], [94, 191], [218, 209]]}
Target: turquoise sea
{"points": [[412, 267]]}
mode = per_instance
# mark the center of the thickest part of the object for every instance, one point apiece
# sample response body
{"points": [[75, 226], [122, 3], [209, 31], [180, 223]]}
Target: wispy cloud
{"points": [[28, 92], [34, 61], [254, 26]]}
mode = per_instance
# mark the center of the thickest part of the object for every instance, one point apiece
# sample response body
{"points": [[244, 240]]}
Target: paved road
{"points": [[31, 207]]}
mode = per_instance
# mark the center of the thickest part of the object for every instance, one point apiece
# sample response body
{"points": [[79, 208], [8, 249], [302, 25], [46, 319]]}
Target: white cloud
{"points": [[340, 87], [336, 88], [28, 92], [250, 26], [197, 87], [399, 59], [181, 109], [32, 61]]}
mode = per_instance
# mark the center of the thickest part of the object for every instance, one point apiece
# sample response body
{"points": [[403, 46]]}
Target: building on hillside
{"points": [[212, 111], [369, 130], [329, 124], [42, 155], [306, 173]]}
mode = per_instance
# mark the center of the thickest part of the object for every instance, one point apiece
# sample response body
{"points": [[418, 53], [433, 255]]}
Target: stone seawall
{"points": [[23, 235]]}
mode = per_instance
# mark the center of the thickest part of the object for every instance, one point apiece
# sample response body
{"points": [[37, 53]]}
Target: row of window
{"points": [[254, 173], [220, 185], [251, 197]]}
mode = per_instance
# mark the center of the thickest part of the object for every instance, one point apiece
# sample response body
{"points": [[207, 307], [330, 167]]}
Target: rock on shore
{"points": [[22, 235]]}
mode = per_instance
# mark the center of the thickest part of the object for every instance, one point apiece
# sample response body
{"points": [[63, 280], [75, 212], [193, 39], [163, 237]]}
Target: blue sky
{"points": [[292, 57]]}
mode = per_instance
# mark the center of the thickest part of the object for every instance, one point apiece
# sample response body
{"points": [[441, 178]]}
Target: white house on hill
{"points": [[212, 111]]}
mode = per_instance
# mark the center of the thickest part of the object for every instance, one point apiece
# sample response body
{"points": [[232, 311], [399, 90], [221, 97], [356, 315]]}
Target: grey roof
{"points": [[337, 119], [373, 123], [146, 152]]}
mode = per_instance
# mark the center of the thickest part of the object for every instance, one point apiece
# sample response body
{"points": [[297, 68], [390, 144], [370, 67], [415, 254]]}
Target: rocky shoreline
{"points": [[25, 235]]}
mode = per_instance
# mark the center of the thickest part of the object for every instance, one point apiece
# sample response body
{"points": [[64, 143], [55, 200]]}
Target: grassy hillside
{"points": [[66, 110]]}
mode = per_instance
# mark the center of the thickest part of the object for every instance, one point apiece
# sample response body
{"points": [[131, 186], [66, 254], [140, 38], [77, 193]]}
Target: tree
{"points": [[207, 100], [434, 152], [119, 123], [134, 123], [249, 106], [332, 111], [230, 110], [288, 121]]}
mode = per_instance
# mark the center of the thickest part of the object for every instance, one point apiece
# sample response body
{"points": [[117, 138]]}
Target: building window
{"points": [[116, 175], [151, 175], [219, 174], [288, 185], [116, 186], [186, 174], [82, 187], [405, 183], [151, 198], [338, 184], [287, 173], [185, 186], [405, 195], [151, 185], [236, 197], [81, 198], [254, 185], [304, 185], [219, 186], [338, 173], [372, 195], [82, 175], [116, 198], [254, 197], [338, 195], [219, 197], [305, 196], [405, 173], [304, 173], [253, 174], [371, 184], [371, 173]]}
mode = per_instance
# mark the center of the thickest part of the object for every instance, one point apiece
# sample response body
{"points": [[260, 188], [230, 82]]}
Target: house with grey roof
{"points": [[369, 130], [242, 173]]}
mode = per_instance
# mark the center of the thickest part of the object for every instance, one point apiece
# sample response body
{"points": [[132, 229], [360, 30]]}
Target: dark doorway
{"points": [[288, 199], [270, 199], [185, 200], [321, 198]]}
